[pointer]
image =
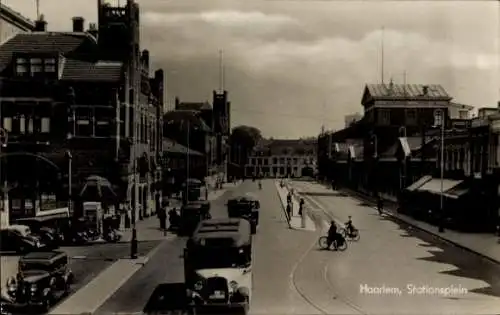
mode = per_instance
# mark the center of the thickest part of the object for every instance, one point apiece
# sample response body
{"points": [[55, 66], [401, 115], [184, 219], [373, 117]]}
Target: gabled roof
{"points": [[43, 42], [194, 106], [404, 91]]}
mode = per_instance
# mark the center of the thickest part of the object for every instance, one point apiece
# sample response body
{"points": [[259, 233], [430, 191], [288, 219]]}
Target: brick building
{"points": [[88, 95]]}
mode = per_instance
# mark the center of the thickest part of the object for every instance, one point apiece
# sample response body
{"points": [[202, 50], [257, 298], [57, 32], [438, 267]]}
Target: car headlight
{"points": [[198, 285], [234, 285], [33, 288]]}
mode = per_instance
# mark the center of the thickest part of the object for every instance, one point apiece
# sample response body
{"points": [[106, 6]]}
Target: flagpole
{"points": [[187, 164]]}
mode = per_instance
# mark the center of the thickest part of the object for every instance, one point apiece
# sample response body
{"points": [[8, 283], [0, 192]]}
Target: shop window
{"points": [[22, 124], [411, 116], [50, 65], [31, 125], [45, 125]]}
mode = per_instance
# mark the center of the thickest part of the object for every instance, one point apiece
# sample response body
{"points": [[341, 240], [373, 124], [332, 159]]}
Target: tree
{"points": [[242, 140]]}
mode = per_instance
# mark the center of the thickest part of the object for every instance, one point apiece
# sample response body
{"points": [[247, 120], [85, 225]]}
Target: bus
{"points": [[218, 266]]}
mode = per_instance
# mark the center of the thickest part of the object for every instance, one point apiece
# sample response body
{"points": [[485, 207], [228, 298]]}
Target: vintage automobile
{"points": [[49, 228], [191, 214], [218, 266], [18, 238], [245, 206], [42, 279]]}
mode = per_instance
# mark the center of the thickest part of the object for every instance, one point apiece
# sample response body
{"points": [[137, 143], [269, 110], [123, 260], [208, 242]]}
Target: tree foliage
{"points": [[245, 136]]}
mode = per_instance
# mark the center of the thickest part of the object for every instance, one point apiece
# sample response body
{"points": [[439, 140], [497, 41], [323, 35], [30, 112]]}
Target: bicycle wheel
{"points": [[355, 236], [343, 247], [323, 242]]}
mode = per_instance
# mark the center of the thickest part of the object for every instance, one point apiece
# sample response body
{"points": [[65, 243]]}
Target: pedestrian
{"points": [[289, 198], [301, 206], [289, 211], [380, 205], [162, 216]]}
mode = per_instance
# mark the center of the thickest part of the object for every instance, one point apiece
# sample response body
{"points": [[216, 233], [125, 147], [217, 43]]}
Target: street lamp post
{"points": [[441, 200], [70, 183], [375, 157], [402, 132]]}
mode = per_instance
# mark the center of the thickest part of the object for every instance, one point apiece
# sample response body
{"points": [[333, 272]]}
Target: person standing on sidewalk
{"points": [[162, 216], [380, 205], [301, 206], [289, 211]]}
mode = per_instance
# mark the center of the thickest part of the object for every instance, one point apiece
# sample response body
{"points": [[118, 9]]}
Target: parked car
{"points": [[48, 228], [43, 279], [18, 238]]}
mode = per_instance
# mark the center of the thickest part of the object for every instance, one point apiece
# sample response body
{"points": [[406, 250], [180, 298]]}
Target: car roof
{"points": [[234, 230], [49, 255]]}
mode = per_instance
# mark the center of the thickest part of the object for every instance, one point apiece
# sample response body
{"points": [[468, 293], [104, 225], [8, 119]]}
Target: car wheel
{"points": [[46, 304]]}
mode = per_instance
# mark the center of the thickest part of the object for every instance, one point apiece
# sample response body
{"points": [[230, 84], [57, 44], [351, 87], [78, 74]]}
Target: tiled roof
{"points": [[408, 91], [181, 116], [40, 42], [194, 106], [79, 70]]}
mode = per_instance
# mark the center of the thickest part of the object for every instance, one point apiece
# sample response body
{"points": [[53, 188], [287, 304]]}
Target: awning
{"points": [[405, 146], [458, 191], [434, 185], [419, 183]]}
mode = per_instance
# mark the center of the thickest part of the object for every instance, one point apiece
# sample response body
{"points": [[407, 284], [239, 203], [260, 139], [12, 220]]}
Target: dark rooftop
{"points": [[79, 70], [173, 147], [194, 106], [42, 42], [404, 91], [181, 116]]}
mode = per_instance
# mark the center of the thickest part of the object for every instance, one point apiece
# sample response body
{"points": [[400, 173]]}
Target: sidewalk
{"points": [[296, 220], [485, 245]]}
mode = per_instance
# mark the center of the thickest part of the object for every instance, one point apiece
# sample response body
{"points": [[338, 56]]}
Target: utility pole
{"points": [[382, 55]]}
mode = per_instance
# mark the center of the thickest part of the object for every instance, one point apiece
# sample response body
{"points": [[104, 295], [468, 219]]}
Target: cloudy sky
{"points": [[292, 66]]}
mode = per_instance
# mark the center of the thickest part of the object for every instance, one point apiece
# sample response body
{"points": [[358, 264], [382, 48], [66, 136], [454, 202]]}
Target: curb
{"points": [[437, 235], [284, 208]]}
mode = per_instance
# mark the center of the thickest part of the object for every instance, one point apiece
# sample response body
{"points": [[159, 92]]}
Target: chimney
{"points": [[40, 24], [78, 23], [93, 30], [425, 89], [145, 58]]}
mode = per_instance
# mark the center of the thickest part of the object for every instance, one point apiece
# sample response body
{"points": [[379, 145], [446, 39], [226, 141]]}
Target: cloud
{"points": [[228, 18]]}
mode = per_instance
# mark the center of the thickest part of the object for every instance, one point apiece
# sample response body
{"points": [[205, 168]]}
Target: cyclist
{"points": [[349, 226], [332, 235]]}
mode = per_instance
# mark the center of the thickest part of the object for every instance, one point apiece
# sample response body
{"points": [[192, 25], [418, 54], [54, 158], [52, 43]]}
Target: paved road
{"points": [[280, 274], [393, 254], [163, 273]]}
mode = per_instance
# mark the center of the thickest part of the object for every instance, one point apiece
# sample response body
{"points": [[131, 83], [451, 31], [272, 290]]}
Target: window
{"points": [[463, 114], [411, 116], [275, 160], [36, 65], [7, 123], [31, 127], [50, 65], [45, 128], [266, 161], [384, 117], [22, 124], [83, 122]]}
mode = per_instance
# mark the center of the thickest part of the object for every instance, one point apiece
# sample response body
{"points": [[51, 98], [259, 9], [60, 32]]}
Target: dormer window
{"points": [[35, 66]]}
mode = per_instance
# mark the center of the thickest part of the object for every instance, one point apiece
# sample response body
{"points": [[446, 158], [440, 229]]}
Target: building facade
{"points": [[12, 23], [395, 151], [83, 104], [282, 158]]}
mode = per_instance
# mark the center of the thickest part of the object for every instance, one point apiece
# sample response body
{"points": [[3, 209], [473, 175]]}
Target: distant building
{"points": [[12, 23], [351, 119], [278, 158], [460, 111]]}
